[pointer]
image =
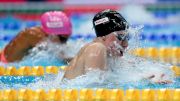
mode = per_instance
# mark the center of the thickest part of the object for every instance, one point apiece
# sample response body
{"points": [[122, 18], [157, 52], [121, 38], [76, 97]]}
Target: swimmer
{"points": [[112, 40], [56, 26]]}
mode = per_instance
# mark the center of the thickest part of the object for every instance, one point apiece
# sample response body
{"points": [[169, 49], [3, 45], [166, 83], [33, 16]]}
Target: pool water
{"points": [[130, 72]]}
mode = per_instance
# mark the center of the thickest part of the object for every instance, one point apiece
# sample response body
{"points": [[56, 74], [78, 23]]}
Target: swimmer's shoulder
{"points": [[34, 31], [92, 47], [95, 47]]}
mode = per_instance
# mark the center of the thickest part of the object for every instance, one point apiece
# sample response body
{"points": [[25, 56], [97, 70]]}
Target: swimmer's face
{"points": [[118, 43], [63, 38], [59, 38], [123, 38]]}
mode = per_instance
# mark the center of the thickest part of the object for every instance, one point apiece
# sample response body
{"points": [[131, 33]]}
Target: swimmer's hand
{"points": [[164, 82], [159, 79]]}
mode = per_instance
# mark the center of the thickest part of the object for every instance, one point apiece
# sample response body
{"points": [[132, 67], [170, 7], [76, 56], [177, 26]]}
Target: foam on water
{"points": [[128, 70]]}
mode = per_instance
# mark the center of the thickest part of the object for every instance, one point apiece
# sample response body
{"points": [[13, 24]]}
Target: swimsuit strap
{"points": [[2, 57]]}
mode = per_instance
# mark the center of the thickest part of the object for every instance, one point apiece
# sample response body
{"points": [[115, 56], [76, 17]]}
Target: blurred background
{"points": [[159, 19]]}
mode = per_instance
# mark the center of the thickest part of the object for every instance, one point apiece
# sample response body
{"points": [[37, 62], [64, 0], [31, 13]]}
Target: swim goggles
{"points": [[122, 37]]}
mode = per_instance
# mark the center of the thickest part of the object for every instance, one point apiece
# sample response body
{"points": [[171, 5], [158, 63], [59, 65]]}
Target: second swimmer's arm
{"points": [[20, 45]]}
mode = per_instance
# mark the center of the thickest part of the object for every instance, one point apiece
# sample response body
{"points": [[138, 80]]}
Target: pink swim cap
{"points": [[56, 23]]}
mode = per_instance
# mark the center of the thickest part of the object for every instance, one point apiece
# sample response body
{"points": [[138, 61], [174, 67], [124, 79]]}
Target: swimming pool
{"points": [[123, 78]]}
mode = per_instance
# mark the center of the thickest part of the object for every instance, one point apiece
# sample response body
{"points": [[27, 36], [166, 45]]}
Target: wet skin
{"points": [[26, 40], [94, 55]]}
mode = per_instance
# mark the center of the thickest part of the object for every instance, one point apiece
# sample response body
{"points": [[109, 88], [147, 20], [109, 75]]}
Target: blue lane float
{"points": [[12, 26], [24, 80], [155, 37], [32, 24], [6, 37]]}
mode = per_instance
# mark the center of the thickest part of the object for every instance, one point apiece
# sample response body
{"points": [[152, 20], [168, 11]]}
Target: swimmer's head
{"points": [[108, 21], [56, 23]]}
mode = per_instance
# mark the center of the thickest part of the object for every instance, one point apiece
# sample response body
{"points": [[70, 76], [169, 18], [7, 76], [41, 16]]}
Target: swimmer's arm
{"points": [[157, 78], [16, 49], [96, 58], [19, 46]]}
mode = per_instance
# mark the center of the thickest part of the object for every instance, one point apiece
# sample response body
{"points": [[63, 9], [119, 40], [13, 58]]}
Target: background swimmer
{"points": [[56, 26]]}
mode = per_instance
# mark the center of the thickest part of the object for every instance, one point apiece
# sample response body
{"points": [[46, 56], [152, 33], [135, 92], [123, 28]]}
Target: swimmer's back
{"points": [[87, 58], [21, 44]]}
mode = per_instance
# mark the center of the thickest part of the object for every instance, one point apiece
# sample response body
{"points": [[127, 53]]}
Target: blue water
{"points": [[22, 82], [151, 35]]}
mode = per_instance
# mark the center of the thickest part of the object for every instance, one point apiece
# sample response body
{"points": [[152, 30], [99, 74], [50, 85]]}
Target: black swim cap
{"points": [[108, 21]]}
